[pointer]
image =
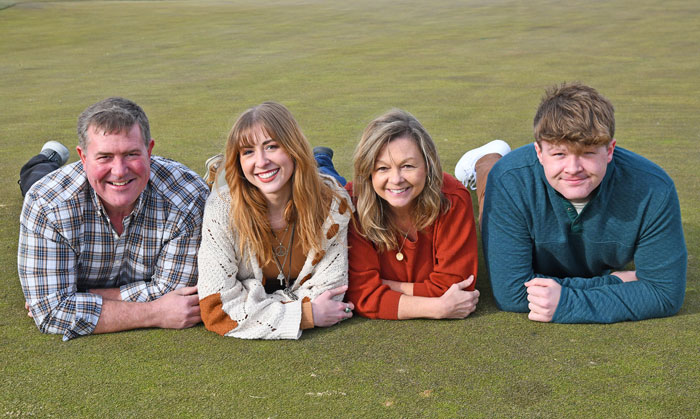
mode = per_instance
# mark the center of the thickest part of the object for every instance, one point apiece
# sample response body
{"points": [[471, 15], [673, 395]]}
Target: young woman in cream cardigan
{"points": [[273, 258]]}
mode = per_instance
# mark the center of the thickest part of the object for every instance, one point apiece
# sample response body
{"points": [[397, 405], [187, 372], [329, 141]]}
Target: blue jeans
{"points": [[325, 166]]}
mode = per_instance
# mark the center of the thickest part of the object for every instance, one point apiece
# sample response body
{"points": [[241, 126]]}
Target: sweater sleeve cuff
{"points": [[420, 289], [289, 327], [389, 305], [307, 315], [559, 313]]}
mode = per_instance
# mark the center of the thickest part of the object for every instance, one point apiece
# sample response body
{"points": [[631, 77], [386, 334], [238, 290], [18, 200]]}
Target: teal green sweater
{"points": [[529, 230]]}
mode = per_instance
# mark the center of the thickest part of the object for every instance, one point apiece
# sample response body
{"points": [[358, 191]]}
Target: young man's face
{"points": [[118, 166], [575, 176]]}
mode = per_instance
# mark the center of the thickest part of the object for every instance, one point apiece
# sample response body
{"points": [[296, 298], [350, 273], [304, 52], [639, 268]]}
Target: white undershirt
{"points": [[579, 206]]}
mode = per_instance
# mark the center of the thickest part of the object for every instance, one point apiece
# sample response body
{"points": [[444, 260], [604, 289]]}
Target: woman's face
{"points": [[267, 166], [399, 173]]}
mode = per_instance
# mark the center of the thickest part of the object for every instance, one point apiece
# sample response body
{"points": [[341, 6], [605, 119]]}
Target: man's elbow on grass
{"points": [[673, 300], [47, 325], [56, 320], [509, 301]]}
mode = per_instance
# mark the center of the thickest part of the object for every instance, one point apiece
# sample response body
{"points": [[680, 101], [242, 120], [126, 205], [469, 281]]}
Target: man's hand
{"points": [[327, 311], [456, 303], [626, 276], [178, 309], [29, 312], [543, 295]]}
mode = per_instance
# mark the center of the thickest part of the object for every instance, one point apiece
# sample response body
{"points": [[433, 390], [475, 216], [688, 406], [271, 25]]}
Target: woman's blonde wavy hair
{"points": [[374, 214], [311, 197]]}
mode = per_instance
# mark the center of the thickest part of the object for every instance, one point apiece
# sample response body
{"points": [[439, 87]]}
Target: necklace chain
{"points": [[399, 254], [284, 279], [280, 250]]}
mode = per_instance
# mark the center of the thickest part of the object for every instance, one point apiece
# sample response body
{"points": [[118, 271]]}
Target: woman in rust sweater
{"points": [[413, 250]]}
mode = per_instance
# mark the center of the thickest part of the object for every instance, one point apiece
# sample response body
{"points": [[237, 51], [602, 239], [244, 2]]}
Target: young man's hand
{"points": [[543, 295]]}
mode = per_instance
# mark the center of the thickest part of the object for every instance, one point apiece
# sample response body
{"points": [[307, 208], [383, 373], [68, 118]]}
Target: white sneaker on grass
{"points": [[55, 151], [465, 170], [211, 168]]}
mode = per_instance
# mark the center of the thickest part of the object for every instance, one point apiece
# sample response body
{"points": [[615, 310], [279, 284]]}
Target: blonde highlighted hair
{"points": [[576, 115], [311, 197], [374, 214]]}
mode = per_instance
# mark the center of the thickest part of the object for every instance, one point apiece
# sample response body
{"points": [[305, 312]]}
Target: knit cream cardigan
{"points": [[231, 293]]}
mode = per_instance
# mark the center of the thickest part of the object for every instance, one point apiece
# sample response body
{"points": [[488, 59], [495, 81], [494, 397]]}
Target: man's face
{"points": [[117, 166], [573, 175]]}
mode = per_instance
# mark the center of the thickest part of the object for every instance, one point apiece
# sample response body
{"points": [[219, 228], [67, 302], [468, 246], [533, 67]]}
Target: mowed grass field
{"points": [[470, 71]]}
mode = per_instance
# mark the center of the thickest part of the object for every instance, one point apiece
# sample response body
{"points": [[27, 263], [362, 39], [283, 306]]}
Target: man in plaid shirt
{"points": [[109, 243]]}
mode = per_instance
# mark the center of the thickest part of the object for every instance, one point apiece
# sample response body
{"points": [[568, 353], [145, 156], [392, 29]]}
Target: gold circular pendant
{"points": [[399, 256]]}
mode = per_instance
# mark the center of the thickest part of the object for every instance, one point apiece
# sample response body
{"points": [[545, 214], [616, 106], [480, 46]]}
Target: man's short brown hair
{"points": [[113, 115], [576, 115]]}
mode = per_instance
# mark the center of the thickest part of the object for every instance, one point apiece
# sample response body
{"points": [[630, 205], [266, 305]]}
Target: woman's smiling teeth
{"points": [[397, 191], [267, 175]]}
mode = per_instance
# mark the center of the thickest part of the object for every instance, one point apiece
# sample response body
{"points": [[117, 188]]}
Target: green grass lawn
{"points": [[471, 71]]}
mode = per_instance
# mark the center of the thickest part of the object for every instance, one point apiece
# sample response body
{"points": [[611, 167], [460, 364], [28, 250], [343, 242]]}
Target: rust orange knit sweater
{"points": [[444, 253]]}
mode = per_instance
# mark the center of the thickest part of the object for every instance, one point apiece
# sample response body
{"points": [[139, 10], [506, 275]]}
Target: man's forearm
{"points": [[117, 316], [636, 300], [176, 310], [108, 293]]}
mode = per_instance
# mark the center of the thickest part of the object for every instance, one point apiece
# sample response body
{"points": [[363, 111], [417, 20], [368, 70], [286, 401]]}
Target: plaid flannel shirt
{"points": [[67, 244]]}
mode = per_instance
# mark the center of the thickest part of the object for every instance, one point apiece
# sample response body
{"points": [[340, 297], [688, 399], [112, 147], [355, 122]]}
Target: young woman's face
{"points": [[399, 173], [267, 166]]}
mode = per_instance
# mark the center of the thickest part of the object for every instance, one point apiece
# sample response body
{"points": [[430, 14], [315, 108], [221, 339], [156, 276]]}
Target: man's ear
{"points": [[150, 146], [539, 152], [611, 148], [82, 154]]}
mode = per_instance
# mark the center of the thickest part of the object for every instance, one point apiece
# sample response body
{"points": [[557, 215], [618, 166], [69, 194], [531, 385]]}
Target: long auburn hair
{"points": [[311, 198], [374, 213]]}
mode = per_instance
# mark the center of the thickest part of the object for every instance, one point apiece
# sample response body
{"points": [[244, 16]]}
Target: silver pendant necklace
{"points": [[280, 250], [284, 279]]}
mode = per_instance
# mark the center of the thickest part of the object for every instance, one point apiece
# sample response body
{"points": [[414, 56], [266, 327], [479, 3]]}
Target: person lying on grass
{"points": [[413, 252], [109, 243], [563, 217], [273, 258]]}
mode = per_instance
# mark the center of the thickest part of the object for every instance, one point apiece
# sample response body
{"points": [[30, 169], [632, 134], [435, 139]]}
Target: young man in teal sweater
{"points": [[574, 228]]}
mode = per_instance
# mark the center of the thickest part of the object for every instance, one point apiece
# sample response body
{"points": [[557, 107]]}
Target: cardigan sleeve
{"points": [[233, 301], [455, 250], [328, 268]]}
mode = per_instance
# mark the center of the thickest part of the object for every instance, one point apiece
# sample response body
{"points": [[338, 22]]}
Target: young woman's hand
{"points": [[327, 311]]}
